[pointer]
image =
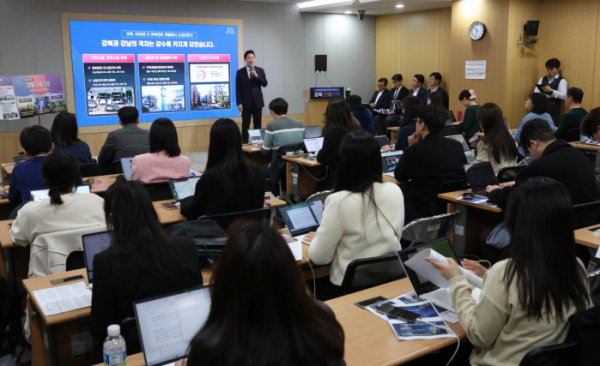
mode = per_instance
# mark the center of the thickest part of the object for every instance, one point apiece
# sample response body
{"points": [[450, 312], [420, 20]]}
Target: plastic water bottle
{"points": [[115, 351]]}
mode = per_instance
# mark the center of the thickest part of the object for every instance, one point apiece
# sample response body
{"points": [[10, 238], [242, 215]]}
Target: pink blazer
{"points": [[159, 167]]}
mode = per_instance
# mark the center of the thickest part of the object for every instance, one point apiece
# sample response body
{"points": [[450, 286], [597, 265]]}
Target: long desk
{"points": [[585, 237], [255, 155], [369, 340]]}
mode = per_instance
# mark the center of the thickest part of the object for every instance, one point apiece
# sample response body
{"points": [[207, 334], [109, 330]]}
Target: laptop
{"points": [[19, 158], [480, 176], [389, 161], [382, 140], [313, 145], [92, 245], [424, 288], [256, 136], [40, 194], [168, 323], [126, 165], [310, 132], [468, 154], [302, 218], [451, 116], [183, 188], [448, 122]]}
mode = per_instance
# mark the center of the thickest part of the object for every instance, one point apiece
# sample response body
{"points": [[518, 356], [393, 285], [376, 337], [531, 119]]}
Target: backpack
{"points": [[11, 332]]}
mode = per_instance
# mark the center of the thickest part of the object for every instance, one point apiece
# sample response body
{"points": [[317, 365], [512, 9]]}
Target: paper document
{"points": [[61, 299], [427, 270], [296, 248]]}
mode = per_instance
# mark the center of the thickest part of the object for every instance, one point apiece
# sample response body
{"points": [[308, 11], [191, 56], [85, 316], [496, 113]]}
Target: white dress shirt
{"points": [[248, 69], [561, 93], [378, 95], [416, 91]]}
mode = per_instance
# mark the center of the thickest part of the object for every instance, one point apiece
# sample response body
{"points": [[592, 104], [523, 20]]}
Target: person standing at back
{"points": [[469, 126], [283, 130], [554, 88], [248, 82], [572, 119], [64, 135], [126, 142]]}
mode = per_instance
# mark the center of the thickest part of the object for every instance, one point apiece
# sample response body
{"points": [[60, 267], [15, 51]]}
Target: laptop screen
{"points": [[168, 323], [481, 175], [303, 218], [40, 194], [390, 160], [183, 188], [126, 165], [314, 145], [461, 139], [92, 245], [420, 283], [256, 135], [311, 132], [382, 140]]}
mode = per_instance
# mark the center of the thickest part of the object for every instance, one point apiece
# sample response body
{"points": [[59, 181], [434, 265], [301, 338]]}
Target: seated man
{"points": [[381, 100], [283, 130], [126, 142], [434, 86], [398, 94], [27, 176], [429, 163], [555, 159], [572, 119]]}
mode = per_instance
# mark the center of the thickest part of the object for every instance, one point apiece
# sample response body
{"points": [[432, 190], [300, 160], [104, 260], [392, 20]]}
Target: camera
{"points": [[361, 14]]}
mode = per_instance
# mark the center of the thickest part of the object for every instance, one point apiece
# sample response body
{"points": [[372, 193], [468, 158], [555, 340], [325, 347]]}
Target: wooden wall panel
{"points": [[388, 46], [420, 44], [445, 48]]}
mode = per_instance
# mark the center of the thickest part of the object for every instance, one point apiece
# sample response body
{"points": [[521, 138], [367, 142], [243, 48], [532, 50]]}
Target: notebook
{"points": [[310, 132], [389, 161], [183, 188], [302, 218], [480, 176], [92, 245], [40, 194], [313, 145], [167, 324], [256, 136], [126, 165]]}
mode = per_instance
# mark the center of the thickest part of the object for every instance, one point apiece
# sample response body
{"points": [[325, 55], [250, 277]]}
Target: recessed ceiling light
{"points": [[348, 12], [399, 6]]}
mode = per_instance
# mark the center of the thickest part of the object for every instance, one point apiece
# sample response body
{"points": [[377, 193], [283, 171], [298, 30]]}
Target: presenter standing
{"points": [[248, 83], [555, 88]]}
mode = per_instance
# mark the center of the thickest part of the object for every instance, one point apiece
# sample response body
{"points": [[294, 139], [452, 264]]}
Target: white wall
{"points": [[285, 42]]}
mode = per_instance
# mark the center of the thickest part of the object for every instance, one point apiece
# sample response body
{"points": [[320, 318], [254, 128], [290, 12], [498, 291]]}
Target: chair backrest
{"points": [[49, 252], [459, 116], [555, 355], [573, 135], [75, 261], [428, 229], [224, 220], [319, 196], [440, 205], [586, 214], [369, 272], [509, 173], [90, 170], [159, 191]]}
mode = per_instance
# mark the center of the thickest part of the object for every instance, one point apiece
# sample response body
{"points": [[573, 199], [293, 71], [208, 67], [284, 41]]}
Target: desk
{"points": [[101, 183], [393, 132], [369, 340], [584, 237], [7, 169], [255, 155]]}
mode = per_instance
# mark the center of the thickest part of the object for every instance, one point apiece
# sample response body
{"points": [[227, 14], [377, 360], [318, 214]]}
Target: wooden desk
{"points": [[101, 183], [584, 237], [393, 132], [255, 155]]}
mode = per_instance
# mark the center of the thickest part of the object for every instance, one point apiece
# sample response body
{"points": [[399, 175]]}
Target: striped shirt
{"points": [[281, 132]]}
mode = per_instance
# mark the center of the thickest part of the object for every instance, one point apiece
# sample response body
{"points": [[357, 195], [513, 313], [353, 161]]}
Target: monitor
{"points": [[183, 188], [311, 132], [390, 159], [40, 194], [313, 145], [303, 217], [92, 245], [126, 165], [168, 323]]}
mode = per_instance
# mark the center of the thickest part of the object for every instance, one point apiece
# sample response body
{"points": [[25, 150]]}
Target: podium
{"points": [[318, 98]]}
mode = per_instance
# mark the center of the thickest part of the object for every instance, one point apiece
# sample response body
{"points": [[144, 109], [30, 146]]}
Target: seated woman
{"points": [[527, 299], [64, 135], [230, 182], [536, 106], [497, 145], [437, 100], [408, 124], [469, 126], [362, 218], [142, 261], [260, 304], [164, 161]]}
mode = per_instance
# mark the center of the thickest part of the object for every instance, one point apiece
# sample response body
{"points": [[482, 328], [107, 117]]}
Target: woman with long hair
{"points": [[142, 261], [64, 132], [497, 145], [363, 218], [469, 126], [230, 182], [437, 100], [408, 123], [536, 106], [164, 161], [526, 300]]}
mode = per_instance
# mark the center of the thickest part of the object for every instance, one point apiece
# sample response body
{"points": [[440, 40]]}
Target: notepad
{"points": [[61, 299], [418, 264]]}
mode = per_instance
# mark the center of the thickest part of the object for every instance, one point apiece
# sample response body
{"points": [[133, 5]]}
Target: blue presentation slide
{"points": [[178, 71]]}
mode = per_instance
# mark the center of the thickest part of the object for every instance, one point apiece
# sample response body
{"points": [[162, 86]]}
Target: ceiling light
{"points": [[316, 3], [399, 6], [348, 12]]}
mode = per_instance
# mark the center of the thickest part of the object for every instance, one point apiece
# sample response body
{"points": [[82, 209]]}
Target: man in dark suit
{"points": [[417, 91], [554, 159], [126, 142], [381, 100], [248, 83], [398, 94], [429, 160], [434, 86]]}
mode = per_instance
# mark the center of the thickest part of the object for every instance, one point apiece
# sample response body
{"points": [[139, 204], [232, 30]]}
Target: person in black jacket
{"points": [[230, 182], [429, 163], [249, 81], [142, 261], [555, 159], [261, 311]]}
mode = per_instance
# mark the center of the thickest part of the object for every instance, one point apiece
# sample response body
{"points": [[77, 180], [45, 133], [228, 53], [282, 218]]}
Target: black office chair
{"points": [[509, 173], [159, 191], [90, 170], [440, 206], [75, 261], [380, 270], [224, 220], [428, 229], [573, 135], [563, 354]]}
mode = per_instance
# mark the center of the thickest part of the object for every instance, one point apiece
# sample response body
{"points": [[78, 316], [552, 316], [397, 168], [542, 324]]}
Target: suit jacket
{"points": [[422, 95], [401, 95], [126, 142], [384, 100], [249, 89], [561, 162], [439, 90]]}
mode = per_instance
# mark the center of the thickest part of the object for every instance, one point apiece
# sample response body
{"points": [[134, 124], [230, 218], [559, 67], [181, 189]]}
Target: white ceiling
{"points": [[372, 7]]}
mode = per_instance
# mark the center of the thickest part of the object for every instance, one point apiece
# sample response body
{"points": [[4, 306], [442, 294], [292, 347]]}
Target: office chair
{"points": [[573, 135], [428, 229], [509, 173], [370, 272], [224, 220], [319, 196], [90, 170], [556, 355]]}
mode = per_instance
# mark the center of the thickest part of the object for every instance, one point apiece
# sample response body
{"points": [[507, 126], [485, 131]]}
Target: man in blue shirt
{"points": [[27, 176]]}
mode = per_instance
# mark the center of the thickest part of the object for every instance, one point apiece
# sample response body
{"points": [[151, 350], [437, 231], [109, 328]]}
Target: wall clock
{"points": [[477, 30]]}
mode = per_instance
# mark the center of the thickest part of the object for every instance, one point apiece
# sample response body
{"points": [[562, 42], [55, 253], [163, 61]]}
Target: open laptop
{"points": [[126, 165], [40, 194], [183, 188], [460, 138], [451, 116], [480, 176], [424, 288], [92, 245], [313, 145], [389, 161], [302, 218], [382, 140], [168, 323], [310, 132], [256, 136]]}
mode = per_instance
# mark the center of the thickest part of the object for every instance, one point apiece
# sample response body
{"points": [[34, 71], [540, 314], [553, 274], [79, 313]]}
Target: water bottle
{"points": [[115, 351]]}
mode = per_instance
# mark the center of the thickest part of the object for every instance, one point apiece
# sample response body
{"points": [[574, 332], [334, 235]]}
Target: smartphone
{"points": [[398, 313], [363, 304], [169, 205]]}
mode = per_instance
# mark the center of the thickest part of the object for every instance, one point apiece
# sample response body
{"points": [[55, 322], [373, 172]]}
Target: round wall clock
{"points": [[477, 31]]}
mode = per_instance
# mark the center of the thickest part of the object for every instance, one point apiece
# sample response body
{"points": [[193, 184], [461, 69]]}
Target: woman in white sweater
{"points": [[363, 218], [497, 145]]}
